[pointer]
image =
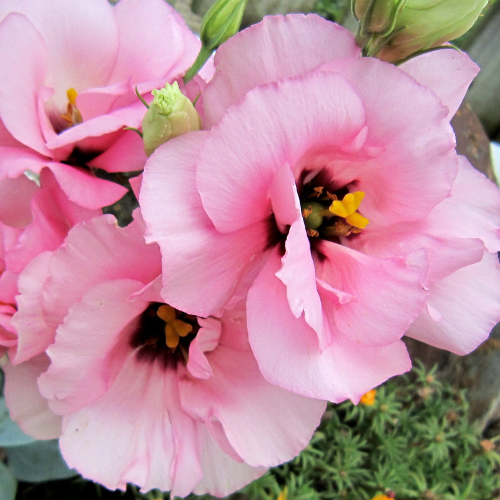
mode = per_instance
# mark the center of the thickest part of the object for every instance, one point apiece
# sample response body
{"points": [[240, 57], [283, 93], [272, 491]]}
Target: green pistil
{"points": [[313, 213]]}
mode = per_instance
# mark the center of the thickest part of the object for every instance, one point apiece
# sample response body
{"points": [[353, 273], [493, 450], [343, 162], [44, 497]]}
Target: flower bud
{"points": [[221, 22], [378, 16], [169, 115], [395, 29]]}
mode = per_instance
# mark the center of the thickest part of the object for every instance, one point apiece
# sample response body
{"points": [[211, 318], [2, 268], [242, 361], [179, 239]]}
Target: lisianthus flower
{"points": [[68, 70], [26, 234], [336, 176], [147, 394]]}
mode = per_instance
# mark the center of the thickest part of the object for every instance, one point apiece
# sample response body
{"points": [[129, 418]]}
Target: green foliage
{"points": [[334, 10], [414, 442]]}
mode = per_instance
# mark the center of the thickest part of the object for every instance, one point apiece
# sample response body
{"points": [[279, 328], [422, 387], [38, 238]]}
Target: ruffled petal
{"points": [[23, 70], [299, 276], [201, 267], [277, 48], [147, 28], [91, 345], [125, 155], [445, 255], [15, 161], [26, 405], [206, 340], [258, 136], [134, 433], [34, 332], [110, 253], [81, 40], [53, 216], [462, 308], [129, 116], [475, 203], [447, 72], [246, 405], [385, 295], [15, 201], [85, 189], [401, 157], [288, 353]]}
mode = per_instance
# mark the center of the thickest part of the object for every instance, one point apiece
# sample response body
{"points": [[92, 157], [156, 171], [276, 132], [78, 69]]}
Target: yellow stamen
{"points": [[357, 220], [181, 328], [72, 94], [347, 209], [171, 336], [175, 328], [338, 208], [166, 313], [368, 399]]}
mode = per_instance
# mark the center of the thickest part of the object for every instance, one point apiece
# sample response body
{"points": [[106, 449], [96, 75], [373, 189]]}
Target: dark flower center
{"points": [[163, 335]]}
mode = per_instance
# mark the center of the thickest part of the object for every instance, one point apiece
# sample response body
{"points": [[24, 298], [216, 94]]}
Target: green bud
{"points": [[395, 29], [378, 16], [221, 22], [169, 115]]}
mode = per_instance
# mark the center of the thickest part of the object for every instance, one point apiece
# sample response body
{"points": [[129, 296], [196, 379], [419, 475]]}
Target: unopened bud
{"points": [[395, 29], [378, 16], [169, 115], [221, 22]]}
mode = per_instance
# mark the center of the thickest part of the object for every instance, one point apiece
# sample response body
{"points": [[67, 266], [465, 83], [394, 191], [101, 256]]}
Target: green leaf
{"points": [[10, 433], [8, 484], [38, 461]]}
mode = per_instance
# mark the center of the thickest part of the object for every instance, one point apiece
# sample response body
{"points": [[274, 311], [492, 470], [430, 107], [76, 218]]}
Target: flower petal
{"points": [[386, 294], [84, 366], [467, 305], [147, 28], [246, 405], [299, 276], [85, 189], [34, 333], [475, 202], [110, 253], [26, 405], [201, 267], [125, 155], [403, 156], [288, 353], [134, 433], [15, 201], [447, 72], [22, 49], [277, 48], [81, 40], [261, 134]]}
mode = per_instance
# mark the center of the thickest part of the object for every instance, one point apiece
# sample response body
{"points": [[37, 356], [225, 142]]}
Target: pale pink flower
{"points": [[296, 115], [197, 417], [68, 70], [32, 220]]}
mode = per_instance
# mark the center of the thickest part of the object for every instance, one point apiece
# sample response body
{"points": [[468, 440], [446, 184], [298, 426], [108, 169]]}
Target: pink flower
{"points": [[26, 233], [68, 70], [191, 415], [336, 176]]}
